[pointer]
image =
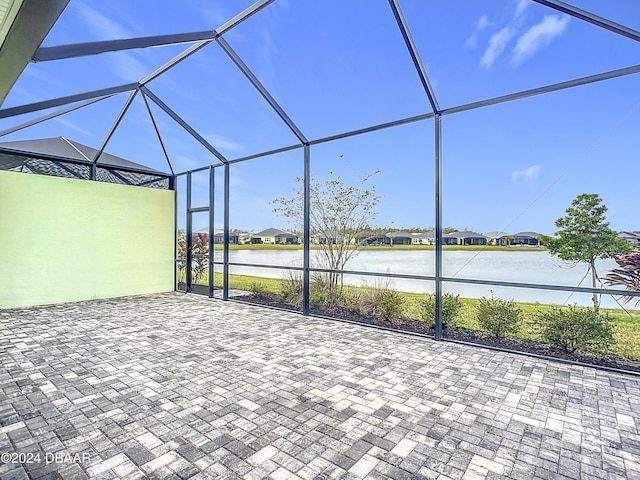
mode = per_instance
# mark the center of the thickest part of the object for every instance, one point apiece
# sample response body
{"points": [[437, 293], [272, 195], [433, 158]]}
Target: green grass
{"points": [[627, 325]]}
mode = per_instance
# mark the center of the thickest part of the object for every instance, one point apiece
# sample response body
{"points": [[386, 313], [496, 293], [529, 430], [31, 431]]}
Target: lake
{"points": [[529, 267]]}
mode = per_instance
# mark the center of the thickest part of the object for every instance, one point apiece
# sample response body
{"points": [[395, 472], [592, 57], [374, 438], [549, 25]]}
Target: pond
{"points": [[538, 267]]}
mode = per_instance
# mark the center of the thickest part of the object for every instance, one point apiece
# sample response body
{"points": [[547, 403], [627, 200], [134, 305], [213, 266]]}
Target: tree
{"points": [[585, 236], [338, 213]]}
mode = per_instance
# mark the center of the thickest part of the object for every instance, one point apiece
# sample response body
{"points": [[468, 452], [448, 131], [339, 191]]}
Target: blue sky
{"points": [[340, 65]]}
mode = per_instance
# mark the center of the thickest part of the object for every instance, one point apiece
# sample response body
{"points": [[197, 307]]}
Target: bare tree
{"points": [[338, 213]]}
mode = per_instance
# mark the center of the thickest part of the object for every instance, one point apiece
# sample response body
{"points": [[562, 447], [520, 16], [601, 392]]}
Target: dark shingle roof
{"points": [[272, 232], [65, 148], [465, 234]]}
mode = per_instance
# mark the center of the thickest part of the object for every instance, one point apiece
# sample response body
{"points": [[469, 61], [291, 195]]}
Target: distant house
{"points": [[245, 238], [424, 238], [368, 237], [526, 238], [498, 238], [332, 238], [218, 236], [400, 238], [273, 236], [464, 238], [448, 239]]}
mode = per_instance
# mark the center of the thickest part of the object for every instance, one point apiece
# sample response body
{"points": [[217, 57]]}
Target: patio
{"points": [[181, 386]]}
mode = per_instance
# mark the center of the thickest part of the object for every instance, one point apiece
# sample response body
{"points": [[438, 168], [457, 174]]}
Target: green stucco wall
{"points": [[64, 240]]}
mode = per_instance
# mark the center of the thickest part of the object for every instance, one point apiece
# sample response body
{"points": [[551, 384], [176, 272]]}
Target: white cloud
{"points": [[527, 174], [497, 45], [124, 64], [481, 24], [521, 7], [221, 143], [101, 25], [128, 67], [72, 126], [539, 36], [267, 47]]}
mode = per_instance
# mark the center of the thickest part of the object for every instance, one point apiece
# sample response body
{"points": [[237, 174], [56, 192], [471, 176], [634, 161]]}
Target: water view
{"points": [[537, 267]]}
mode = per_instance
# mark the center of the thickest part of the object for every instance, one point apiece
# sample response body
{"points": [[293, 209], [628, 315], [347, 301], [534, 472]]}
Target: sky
{"points": [[336, 66]]}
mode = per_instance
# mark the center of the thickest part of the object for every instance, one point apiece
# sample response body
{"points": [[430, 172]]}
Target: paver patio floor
{"points": [[181, 386]]}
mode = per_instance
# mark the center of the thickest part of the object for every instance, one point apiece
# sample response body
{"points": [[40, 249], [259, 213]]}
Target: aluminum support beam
{"points": [[225, 254], [438, 202], [117, 175], [413, 52], [243, 15], [60, 52], [189, 237], [218, 32], [58, 102], [212, 232], [183, 124], [261, 89], [306, 235], [63, 167], [51, 115], [155, 127], [199, 209], [472, 281], [114, 127], [591, 18], [174, 61], [173, 182], [266, 154], [374, 128], [621, 72]]}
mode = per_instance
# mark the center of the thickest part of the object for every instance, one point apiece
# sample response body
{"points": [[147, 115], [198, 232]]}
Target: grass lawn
{"points": [[627, 325]]}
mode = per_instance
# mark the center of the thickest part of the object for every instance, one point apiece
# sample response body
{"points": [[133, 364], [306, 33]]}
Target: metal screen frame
{"points": [[203, 40]]}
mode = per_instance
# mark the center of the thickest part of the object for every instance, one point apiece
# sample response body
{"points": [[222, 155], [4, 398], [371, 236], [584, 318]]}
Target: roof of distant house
{"points": [[400, 233], [272, 232], [496, 235], [427, 234], [465, 234]]}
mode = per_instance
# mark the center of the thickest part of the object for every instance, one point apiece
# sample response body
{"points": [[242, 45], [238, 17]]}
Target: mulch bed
{"points": [[460, 334]]}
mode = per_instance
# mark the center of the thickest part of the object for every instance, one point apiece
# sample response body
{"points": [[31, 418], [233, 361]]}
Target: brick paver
{"points": [[179, 386]]}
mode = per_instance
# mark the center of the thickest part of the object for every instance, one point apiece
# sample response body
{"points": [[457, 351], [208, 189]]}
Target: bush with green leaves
{"points": [[500, 317], [388, 304], [451, 306], [576, 328], [258, 289], [382, 300]]}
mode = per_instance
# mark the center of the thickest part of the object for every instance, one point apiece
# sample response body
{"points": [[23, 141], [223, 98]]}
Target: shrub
{"points": [[318, 297], [500, 317], [576, 328], [291, 288], [258, 289], [380, 299], [388, 304], [451, 305], [321, 291]]}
